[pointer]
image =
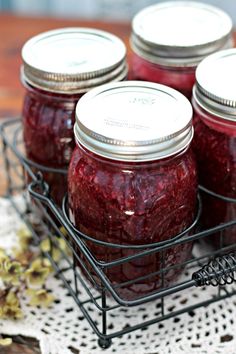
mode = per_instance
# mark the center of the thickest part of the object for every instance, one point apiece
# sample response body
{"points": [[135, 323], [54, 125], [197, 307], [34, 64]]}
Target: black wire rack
{"points": [[216, 267]]}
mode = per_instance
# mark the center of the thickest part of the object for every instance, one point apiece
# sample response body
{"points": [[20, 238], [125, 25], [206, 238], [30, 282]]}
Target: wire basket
{"points": [[215, 267]]}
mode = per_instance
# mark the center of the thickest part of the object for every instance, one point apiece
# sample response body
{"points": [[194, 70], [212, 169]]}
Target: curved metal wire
{"points": [[216, 195], [219, 271], [142, 246]]}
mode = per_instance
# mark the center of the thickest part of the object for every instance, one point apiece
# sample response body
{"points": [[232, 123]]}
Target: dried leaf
{"points": [[4, 342]]}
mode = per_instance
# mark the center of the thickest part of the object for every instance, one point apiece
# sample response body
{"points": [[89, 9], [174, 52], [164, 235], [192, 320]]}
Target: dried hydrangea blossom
{"points": [[26, 271]]}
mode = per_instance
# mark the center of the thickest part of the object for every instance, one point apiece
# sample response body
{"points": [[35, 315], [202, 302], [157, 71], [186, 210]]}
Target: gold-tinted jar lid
{"points": [[180, 33], [134, 121], [73, 60]]}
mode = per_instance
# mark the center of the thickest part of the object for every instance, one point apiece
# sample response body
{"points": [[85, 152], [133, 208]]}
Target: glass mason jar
{"points": [[132, 177], [215, 140], [59, 66], [169, 40]]}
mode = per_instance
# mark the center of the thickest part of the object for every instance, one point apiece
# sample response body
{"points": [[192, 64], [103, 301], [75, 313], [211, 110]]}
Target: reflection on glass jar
{"points": [[215, 139], [58, 68], [132, 178], [169, 40]]}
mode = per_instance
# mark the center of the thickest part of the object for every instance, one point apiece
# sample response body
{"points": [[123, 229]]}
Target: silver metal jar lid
{"points": [[215, 88], [180, 33], [134, 121], [73, 60]]}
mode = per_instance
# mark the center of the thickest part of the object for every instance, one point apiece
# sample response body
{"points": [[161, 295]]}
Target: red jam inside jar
{"points": [[169, 54], [215, 141], [179, 78], [132, 180], [48, 121], [54, 83]]}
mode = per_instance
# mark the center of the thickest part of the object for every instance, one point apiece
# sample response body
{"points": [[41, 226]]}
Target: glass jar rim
{"points": [[57, 96]]}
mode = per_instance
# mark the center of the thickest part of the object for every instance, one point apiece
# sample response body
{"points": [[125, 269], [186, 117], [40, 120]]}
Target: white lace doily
{"points": [[62, 327]]}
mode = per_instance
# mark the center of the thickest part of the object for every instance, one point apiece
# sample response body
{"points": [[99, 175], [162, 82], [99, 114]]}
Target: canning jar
{"points": [[169, 40], [59, 66], [132, 178], [214, 104]]}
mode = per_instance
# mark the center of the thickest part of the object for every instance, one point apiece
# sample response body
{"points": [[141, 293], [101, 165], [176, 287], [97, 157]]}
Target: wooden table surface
{"points": [[14, 31]]}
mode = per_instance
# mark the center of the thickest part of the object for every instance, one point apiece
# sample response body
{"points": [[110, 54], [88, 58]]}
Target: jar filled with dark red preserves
{"points": [[132, 178], [214, 100], [59, 66], [171, 38]]}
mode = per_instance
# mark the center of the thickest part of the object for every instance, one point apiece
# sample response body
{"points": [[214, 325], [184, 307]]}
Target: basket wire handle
{"points": [[219, 271]]}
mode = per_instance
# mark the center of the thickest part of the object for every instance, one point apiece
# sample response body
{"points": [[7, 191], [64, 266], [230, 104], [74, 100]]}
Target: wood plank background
{"points": [[14, 32]]}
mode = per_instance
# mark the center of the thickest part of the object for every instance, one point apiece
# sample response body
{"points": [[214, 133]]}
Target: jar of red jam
{"points": [[59, 66], [214, 100], [169, 40], [132, 177]]}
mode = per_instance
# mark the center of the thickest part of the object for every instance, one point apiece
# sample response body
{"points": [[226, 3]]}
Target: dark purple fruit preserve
{"points": [[215, 141], [59, 66], [132, 178]]}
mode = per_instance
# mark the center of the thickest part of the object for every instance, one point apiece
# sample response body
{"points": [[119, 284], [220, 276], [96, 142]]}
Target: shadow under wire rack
{"points": [[213, 267]]}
